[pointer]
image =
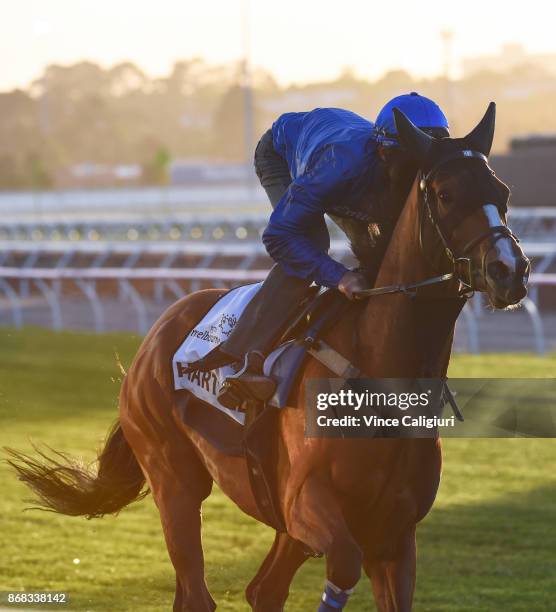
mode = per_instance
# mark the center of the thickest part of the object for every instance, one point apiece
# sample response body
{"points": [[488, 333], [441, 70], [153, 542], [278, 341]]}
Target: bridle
{"points": [[461, 265]]}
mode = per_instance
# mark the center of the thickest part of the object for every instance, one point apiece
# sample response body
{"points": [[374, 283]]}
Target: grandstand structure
{"points": [[113, 269]]}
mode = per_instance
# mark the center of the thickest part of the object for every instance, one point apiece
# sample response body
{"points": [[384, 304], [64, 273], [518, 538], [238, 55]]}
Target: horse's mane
{"points": [[368, 241]]}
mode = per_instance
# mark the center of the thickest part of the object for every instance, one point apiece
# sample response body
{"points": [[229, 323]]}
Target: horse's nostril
{"points": [[498, 270], [516, 294]]}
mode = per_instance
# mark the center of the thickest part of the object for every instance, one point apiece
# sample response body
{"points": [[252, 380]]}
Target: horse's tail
{"points": [[64, 485]]}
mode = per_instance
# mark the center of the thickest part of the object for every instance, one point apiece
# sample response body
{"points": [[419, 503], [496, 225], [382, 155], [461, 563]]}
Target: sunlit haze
{"points": [[297, 41]]}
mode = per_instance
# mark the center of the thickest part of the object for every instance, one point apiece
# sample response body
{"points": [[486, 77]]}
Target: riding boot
{"points": [[267, 314], [248, 383], [260, 326]]}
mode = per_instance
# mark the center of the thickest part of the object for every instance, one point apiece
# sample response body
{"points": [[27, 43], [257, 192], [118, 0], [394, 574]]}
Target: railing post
{"points": [[12, 296], [471, 328], [536, 321]]}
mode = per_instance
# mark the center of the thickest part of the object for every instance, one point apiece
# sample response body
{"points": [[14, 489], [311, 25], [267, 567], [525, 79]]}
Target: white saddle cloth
{"points": [[212, 330]]}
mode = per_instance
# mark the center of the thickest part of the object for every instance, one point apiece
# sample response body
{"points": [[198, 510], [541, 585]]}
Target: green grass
{"points": [[488, 544]]}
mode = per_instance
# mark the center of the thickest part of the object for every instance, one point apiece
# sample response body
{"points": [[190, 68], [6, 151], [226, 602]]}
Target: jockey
{"points": [[327, 161]]}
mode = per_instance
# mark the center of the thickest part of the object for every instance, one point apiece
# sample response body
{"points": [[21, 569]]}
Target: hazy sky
{"points": [[297, 40]]}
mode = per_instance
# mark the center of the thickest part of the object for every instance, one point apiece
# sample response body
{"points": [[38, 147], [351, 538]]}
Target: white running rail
{"points": [[47, 281]]}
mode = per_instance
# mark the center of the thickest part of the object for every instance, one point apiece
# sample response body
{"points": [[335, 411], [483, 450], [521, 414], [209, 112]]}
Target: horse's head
{"points": [[464, 208]]}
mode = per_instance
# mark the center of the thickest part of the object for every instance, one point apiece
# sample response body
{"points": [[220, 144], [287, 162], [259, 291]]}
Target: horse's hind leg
{"points": [[269, 589], [393, 580], [176, 476], [180, 514], [179, 484]]}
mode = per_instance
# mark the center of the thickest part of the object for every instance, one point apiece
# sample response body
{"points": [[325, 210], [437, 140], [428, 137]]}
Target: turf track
{"points": [[489, 543]]}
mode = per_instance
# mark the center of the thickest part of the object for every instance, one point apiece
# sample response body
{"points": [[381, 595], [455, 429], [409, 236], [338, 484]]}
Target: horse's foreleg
{"points": [[315, 517], [269, 589], [393, 580]]}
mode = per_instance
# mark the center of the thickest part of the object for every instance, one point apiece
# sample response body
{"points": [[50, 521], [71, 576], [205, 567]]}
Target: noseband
{"points": [[461, 264]]}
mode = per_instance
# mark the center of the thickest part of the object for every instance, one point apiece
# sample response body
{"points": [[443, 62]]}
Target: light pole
{"points": [[448, 40], [248, 109]]}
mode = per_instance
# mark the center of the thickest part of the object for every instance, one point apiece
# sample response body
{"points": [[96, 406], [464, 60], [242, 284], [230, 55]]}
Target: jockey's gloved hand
{"points": [[351, 283]]}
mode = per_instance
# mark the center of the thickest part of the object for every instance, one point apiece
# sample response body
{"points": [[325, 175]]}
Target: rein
{"points": [[458, 262], [408, 288]]}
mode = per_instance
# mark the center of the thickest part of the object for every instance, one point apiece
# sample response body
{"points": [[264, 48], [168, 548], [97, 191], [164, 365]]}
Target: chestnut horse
{"points": [[356, 501]]}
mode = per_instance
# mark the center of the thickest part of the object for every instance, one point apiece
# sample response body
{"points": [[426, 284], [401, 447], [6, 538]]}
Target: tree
{"points": [[84, 113], [156, 170], [229, 125]]}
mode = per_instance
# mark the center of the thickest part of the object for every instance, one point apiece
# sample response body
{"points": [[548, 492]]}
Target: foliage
{"points": [[156, 169], [84, 113]]}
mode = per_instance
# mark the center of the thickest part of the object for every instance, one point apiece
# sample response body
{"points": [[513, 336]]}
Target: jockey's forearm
{"points": [[300, 258], [297, 238]]}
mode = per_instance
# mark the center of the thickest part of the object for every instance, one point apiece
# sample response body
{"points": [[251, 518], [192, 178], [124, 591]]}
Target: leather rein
{"points": [[458, 263]]}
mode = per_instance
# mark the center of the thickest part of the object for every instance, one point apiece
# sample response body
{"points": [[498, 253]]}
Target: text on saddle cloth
{"points": [[212, 330]]}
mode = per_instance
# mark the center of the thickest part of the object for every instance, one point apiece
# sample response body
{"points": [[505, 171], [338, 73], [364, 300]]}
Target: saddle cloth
{"points": [[283, 363], [211, 331]]}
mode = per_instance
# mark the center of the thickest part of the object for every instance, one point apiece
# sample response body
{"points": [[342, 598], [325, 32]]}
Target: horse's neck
{"points": [[404, 260], [389, 344]]}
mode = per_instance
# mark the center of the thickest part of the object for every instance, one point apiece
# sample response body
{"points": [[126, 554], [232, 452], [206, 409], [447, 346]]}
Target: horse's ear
{"points": [[412, 139], [480, 139]]}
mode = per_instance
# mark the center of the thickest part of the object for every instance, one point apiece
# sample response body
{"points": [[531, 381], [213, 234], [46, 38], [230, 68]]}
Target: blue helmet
{"points": [[423, 112]]}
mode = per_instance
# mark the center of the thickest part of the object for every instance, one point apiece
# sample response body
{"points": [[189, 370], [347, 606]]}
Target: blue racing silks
{"points": [[332, 157]]}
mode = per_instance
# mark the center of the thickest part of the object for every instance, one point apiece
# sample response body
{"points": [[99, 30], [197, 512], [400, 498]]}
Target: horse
{"points": [[357, 501]]}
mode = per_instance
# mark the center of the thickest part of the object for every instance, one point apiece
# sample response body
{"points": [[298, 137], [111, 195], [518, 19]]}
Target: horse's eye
{"points": [[444, 197]]}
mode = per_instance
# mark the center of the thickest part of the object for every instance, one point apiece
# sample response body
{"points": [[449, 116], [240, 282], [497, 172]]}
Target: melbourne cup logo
{"points": [[226, 323]]}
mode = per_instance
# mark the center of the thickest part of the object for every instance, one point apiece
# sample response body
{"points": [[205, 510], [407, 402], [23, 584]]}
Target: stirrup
{"points": [[229, 397], [248, 383]]}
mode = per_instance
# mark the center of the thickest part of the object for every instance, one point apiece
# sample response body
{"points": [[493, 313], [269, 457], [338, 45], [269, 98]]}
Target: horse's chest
{"points": [[363, 469]]}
